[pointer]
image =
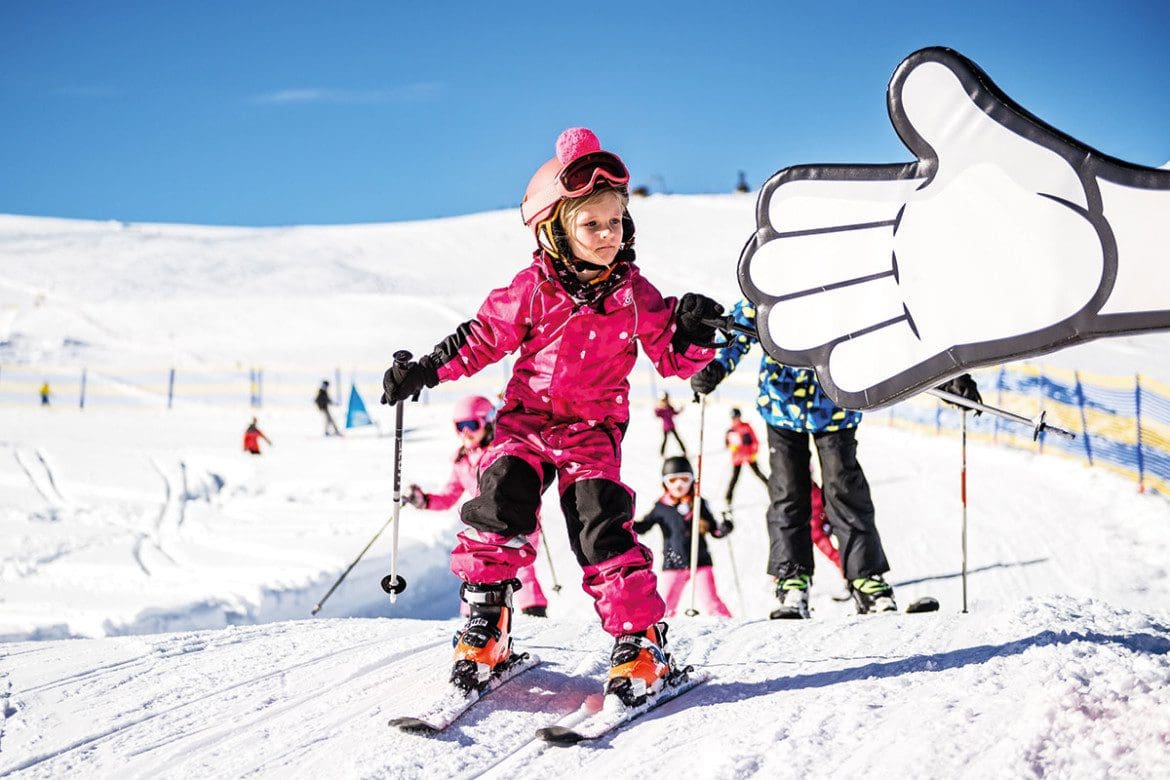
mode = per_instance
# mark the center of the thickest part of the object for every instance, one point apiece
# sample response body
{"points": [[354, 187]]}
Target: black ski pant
{"points": [[735, 469], [597, 511], [330, 426], [848, 504]]}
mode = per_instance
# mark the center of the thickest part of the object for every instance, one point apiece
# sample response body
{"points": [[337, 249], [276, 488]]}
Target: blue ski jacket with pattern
{"points": [[789, 397]]}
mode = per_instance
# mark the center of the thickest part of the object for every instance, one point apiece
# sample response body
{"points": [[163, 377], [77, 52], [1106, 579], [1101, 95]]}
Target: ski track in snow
{"points": [[132, 520], [41, 478]]}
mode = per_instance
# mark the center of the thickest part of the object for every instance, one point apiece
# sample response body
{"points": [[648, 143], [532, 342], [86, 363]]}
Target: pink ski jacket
{"points": [[464, 478], [573, 361]]}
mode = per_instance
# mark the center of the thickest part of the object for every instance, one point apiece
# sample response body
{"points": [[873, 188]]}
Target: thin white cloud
{"points": [[407, 93]]}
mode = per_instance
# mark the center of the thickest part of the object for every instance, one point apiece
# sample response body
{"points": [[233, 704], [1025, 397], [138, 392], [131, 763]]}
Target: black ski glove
{"points": [[407, 380], [709, 378], [723, 529], [688, 318], [965, 386]]}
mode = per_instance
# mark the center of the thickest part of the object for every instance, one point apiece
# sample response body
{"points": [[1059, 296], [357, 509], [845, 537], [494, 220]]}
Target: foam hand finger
{"points": [[826, 246]]}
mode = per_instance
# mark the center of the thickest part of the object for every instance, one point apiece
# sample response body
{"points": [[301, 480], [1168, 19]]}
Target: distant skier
{"points": [[575, 317], [475, 425], [675, 515], [666, 412], [45, 392], [744, 445], [323, 402], [252, 437]]}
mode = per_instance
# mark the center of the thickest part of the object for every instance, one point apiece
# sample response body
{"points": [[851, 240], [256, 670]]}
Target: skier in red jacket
{"points": [[741, 439], [252, 437]]}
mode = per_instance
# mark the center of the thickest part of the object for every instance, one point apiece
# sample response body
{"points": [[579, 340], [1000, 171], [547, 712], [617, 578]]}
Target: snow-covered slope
{"points": [[117, 521]]}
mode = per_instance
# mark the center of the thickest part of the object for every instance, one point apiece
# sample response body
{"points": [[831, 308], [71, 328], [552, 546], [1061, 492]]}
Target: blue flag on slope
{"points": [[356, 416]]}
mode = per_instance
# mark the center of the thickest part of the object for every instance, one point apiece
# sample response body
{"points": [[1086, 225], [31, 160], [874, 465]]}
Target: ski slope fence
{"points": [[1121, 423], [235, 387]]}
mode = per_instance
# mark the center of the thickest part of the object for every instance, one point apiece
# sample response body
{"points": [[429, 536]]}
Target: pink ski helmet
{"points": [[474, 407], [579, 165]]}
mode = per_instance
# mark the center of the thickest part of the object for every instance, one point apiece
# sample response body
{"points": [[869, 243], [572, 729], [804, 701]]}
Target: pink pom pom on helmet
{"points": [[546, 189], [576, 142]]}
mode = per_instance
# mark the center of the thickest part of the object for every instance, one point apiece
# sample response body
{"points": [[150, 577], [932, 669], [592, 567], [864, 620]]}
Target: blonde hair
{"points": [[571, 206]]}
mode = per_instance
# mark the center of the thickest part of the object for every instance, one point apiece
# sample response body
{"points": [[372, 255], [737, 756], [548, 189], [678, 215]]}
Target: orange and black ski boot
{"points": [[639, 665], [484, 645]]}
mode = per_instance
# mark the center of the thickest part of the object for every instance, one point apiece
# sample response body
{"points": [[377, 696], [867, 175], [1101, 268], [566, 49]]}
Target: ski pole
{"points": [[556, 586], [729, 326], [735, 576], [1036, 424], [392, 583], [345, 573], [963, 493], [697, 509]]}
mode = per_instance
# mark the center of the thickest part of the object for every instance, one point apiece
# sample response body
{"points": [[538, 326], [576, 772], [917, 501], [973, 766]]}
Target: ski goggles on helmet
{"points": [[554, 182], [581, 176], [467, 426], [682, 478]]}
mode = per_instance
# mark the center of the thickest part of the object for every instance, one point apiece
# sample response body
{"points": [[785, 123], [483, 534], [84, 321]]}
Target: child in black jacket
{"points": [[674, 514]]}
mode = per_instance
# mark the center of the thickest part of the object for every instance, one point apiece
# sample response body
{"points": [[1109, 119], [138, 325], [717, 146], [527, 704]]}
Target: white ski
{"points": [[447, 709], [600, 715]]}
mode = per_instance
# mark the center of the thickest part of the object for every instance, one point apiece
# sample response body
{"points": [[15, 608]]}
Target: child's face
{"points": [[678, 485], [471, 437], [596, 232]]}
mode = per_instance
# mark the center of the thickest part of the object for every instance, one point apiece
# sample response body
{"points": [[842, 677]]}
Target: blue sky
{"points": [[271, 113]]}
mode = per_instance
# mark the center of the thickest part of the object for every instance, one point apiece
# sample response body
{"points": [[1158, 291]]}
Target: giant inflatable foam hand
{"points": [[1005, 239]]}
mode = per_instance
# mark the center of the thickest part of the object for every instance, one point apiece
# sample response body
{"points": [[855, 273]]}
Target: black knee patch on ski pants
{"points": [[596, 513], [508, 500]]}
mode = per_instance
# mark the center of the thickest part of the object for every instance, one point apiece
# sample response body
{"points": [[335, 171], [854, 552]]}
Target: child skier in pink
{"points": [[666, 412], [675, 515], [475, 425], [574, 318]]}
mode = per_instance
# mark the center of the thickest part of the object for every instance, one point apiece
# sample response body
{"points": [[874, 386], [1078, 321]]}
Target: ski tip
{"points": [[413, 725], [559, 735], [924, 604]]}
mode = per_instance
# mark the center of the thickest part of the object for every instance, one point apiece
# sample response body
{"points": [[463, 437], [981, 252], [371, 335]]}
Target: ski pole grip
{"points": [[719, 323], [401, 358]]}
